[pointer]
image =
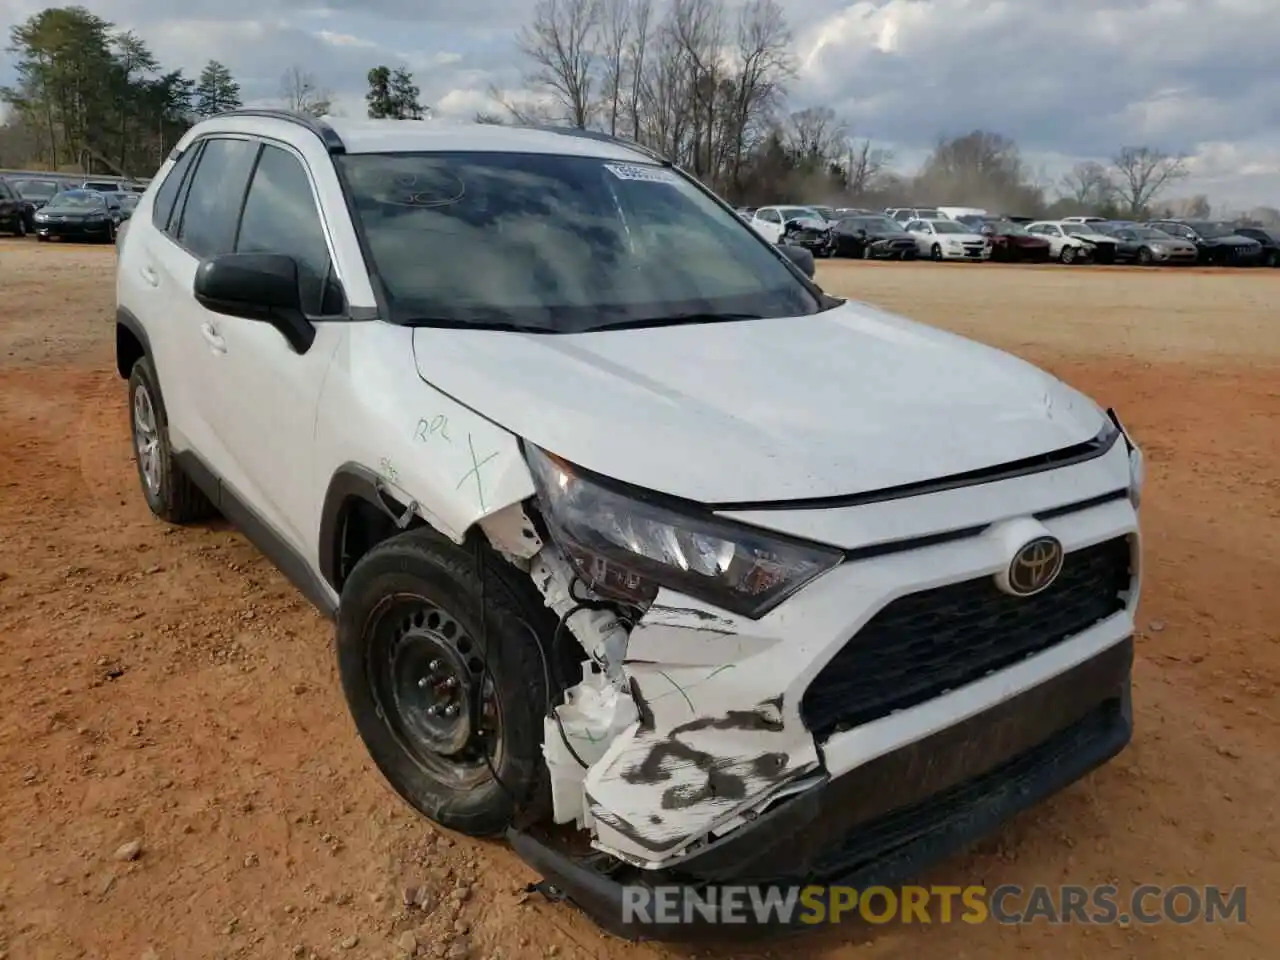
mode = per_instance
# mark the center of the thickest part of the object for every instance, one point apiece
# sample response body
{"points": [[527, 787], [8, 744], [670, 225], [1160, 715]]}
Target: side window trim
{"points": [[180, 200], [325, 226], [176, 230], [179, 197], [332, 271]]}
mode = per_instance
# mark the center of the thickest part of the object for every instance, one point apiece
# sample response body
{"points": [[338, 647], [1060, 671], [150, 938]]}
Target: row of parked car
{"points": [[62, 208], [959, 233]]}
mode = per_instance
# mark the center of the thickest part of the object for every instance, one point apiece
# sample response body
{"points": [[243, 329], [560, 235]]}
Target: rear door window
{"points": [[212, 208]]}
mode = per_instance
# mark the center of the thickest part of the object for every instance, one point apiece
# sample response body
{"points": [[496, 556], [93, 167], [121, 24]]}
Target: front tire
{"points": [[1144, 257], [936, 252], [169, 492], [446, 681], [1068, 255]]}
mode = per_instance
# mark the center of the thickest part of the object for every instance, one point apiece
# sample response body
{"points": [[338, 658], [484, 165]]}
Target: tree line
{"points": [[93, 98], [704, 82]]}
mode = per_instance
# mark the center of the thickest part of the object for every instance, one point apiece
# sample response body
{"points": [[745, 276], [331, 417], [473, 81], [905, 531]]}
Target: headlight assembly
{"points": [[627, 545]]}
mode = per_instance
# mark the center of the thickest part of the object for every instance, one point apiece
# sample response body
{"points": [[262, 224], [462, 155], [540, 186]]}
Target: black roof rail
{"points": [[328, 136], [601, 137]]}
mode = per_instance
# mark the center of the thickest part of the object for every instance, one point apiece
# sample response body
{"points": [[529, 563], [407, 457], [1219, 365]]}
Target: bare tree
{"points": [[764, 65], [640, 33], [814, 134], [560, 43], [1143, 172], [863, 164], [615, 29], [1089, 184], [492, 119], [302, 94]]}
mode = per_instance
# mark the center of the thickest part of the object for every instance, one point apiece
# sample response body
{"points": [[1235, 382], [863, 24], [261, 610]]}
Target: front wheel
{"points": [[446, 680], [1068, 254], [1145, 257], [866, 252], [936, 252]]}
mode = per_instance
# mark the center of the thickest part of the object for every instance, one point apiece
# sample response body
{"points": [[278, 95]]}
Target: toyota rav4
{"points": [[624, 523]]}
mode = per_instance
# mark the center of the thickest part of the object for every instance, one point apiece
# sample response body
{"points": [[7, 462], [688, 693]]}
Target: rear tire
{"points": [[417, 630], [169, 492]]}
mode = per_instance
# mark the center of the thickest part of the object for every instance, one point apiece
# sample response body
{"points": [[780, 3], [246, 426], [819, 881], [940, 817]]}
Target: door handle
{"points": [[149, 276], [215, 342]]}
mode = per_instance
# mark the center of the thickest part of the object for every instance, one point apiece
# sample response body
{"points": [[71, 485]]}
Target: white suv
{"points": [[623, 522]]}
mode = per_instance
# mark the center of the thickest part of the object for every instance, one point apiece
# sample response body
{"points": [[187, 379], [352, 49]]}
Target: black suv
{"points": [[1219, 243], [13, 215], [1270, 240]]}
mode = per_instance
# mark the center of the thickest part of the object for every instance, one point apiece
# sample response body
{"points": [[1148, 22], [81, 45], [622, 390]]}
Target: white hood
{"points": [[847, 401]]}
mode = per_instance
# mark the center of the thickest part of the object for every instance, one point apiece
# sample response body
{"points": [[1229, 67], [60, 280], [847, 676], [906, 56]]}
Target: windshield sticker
{"points": [[627, 171]]}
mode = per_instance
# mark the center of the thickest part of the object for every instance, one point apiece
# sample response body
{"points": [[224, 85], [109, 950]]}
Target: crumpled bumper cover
{"points": [[887, 821]]}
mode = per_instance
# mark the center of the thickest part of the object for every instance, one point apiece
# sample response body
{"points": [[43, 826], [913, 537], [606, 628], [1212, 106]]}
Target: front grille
{"points": [[924, 644]]}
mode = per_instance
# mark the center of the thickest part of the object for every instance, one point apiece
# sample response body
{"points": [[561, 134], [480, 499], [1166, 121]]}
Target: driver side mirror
{"points": [[256, 286], [801, 257]]}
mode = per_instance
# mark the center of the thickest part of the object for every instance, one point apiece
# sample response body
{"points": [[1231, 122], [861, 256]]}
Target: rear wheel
{"points": [[445, 679], [170, 493]]}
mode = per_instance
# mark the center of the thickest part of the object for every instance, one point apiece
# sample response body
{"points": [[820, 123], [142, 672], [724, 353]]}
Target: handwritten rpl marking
{"points": [[476, 464], [437, 426]]}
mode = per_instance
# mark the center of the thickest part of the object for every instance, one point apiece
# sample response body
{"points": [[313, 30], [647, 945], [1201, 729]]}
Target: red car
{"points": [[1010, 241]]}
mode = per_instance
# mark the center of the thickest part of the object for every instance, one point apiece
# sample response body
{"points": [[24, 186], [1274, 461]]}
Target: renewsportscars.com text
{"points": [[1009, 904]]}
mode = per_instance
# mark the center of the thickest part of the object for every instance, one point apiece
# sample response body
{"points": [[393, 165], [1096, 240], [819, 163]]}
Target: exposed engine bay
{"points": [[655, 748]]}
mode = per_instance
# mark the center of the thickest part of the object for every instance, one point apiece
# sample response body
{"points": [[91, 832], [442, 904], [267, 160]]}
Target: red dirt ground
{"points": [[168, 687]]}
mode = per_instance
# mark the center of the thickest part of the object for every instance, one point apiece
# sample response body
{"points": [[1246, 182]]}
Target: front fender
{"points": [[386, 436]]}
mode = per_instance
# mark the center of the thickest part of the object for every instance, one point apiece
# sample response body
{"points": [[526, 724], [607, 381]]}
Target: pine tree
{"points": [[216, 91], [404, 95], [380, 100]]}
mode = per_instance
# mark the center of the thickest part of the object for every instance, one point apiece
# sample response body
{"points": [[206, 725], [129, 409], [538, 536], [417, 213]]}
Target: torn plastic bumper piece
{"points": [[882, 824]]}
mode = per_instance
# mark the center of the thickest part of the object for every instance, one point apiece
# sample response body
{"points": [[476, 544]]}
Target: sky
{"points": [[1069, 80]]}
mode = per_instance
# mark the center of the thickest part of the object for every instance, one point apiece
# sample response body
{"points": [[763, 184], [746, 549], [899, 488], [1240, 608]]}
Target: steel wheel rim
{"points": [[146, 438], [419, 657]]}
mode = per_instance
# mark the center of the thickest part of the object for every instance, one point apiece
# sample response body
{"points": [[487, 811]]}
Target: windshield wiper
{"points": [[676, 319], [453, 323]]}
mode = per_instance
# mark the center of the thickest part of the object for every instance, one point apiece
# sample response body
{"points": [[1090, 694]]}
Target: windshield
{"points": [[36, 189], [1081, 229], [1150, 233], [559, 244], [129, 201], [950, 226], [1212, 231], [883, 224], [79, 199]]}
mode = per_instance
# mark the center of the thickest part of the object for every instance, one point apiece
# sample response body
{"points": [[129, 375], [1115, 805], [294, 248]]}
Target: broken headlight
{"points": [[627, 545]]}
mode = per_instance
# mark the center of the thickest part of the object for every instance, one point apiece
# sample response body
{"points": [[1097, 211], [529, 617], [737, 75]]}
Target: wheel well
{"points": [[129, 350], [363, 525]]}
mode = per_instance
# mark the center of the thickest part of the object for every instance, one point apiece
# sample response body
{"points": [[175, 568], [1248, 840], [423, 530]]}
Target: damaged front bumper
{"points": [[881, 823], [897, 707]]}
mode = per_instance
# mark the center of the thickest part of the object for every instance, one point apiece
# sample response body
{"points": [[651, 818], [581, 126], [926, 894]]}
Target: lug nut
{"points": [[434, 665], [422, 683], [451, 683], [432, 711], [450, 711]]}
